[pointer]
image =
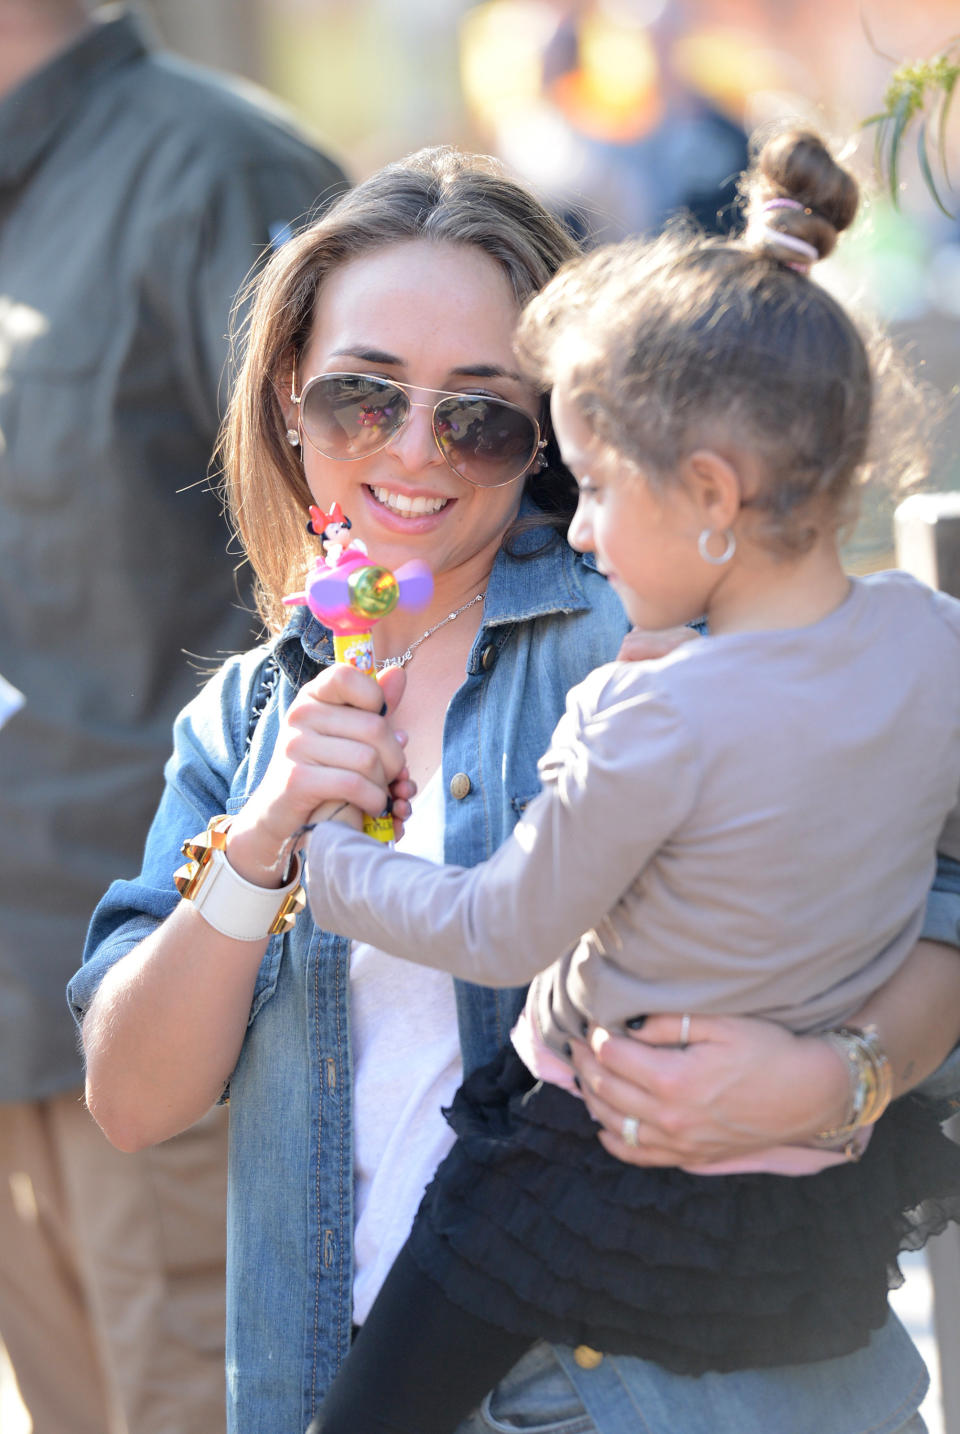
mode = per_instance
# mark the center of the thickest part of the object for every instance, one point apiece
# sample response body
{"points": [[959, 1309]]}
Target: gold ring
{"points": [[629, 1130], [684, 1032]]}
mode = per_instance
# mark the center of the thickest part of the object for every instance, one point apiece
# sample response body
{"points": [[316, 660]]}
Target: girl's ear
{"points": [[715, 486]]}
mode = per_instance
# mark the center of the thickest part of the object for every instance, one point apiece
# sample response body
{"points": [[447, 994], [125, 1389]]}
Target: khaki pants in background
{"points": [[112, 1273]]}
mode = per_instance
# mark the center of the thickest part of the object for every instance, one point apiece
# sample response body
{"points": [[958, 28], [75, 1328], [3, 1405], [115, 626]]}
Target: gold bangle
{"points": [[198, 850], [871, 1081]]}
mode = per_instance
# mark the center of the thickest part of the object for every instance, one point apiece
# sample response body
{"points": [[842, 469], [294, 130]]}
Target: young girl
{"points": [[747, 825]]}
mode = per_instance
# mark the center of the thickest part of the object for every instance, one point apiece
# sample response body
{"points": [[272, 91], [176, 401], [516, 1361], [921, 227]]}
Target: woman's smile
{"points": [[401, 511], [405, 505]]}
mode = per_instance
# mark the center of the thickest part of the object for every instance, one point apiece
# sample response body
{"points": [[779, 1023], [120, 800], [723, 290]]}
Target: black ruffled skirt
{"points": [[531, 1225]]}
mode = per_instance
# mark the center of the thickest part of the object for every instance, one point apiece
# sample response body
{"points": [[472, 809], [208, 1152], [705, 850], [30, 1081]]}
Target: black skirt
{"points": [[530, 1224]]}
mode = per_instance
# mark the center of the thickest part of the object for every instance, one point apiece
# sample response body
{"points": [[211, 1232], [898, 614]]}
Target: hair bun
{"points": [[798, 199]]}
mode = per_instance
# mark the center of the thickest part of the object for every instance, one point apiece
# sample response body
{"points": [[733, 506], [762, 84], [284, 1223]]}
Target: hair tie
{"points": [[789, 241], [784, 203]]}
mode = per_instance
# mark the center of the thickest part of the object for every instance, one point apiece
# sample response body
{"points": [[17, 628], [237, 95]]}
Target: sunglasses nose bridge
{"points": [[414, 441]]}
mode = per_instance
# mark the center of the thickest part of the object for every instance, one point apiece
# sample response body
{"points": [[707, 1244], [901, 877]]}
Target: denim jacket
{"points": [[548, 619]]}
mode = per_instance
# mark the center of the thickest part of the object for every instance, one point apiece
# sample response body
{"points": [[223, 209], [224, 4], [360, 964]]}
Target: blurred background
{"points": [[621, 112]]}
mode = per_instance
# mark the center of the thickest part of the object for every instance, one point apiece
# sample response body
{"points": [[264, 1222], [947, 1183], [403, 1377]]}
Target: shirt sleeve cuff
{"points": [[942, 918], [942, 923], [84, 985]]}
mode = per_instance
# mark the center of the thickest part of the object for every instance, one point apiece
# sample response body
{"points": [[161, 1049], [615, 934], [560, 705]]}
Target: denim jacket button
{"points": [[459, 786], [488, 657], [586, 1357]]}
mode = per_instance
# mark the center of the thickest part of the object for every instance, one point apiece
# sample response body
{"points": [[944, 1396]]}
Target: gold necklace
{"points": [[404, 658]]}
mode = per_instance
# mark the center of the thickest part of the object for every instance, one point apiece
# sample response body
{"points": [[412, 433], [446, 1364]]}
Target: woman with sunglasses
{"points": [[378, 374]]}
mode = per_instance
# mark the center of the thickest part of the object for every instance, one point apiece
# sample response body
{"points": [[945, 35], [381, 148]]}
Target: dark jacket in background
{"points": [[136, 192]]}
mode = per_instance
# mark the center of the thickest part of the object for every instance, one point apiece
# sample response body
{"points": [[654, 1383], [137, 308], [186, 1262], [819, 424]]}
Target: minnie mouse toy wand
{"points": [[348, 593]]}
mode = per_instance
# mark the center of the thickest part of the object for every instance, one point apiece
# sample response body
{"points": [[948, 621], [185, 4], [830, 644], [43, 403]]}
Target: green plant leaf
{"points": [[927, 172], [879, 143], [901, 117], [918, 90], [945, 102]]}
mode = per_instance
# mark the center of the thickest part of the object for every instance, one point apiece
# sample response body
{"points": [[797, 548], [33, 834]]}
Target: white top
{"points": [[407, 1064]]}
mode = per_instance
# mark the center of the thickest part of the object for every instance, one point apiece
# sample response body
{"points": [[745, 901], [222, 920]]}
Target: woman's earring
{"points": [[293, 437], [721, 558]]}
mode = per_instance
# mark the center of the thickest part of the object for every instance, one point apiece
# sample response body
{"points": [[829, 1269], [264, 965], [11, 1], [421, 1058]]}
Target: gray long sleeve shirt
{"points": [[749, 826], [136, 193]]}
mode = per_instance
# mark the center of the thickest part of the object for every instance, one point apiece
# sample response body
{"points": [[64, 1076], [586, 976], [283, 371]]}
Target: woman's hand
{"points": [[641, 644], [336, 745], [401, 792], [739, 1085], [743, 1084]]}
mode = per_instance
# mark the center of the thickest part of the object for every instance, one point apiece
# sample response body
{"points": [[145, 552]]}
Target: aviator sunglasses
{"points": [[485, 440]]}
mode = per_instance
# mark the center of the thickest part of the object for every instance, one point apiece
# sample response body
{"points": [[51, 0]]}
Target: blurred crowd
{"points": [[622, 113]]}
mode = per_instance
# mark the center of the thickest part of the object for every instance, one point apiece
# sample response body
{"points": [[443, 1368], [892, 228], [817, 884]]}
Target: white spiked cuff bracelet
{"points": [[226, 900]]}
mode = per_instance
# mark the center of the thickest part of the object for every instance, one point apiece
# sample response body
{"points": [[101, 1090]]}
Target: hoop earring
{"points": [[721, 558], [293, 437]]}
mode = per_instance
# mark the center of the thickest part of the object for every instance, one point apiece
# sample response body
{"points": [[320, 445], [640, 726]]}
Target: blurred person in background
{"points": [[612, 130], [136, 193]]}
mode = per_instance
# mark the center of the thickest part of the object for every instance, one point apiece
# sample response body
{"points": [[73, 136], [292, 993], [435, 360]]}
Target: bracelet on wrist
{"points": [[226, 900], [871, 1083]]}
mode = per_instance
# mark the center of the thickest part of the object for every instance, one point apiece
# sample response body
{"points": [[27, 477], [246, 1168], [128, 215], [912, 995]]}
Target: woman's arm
{"points": [[163, 1032], [743, 1084]]}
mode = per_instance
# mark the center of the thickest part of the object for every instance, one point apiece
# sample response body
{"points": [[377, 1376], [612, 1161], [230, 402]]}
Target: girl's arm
{"points": [[162, 1033], [744, 1084], [561, 871]]}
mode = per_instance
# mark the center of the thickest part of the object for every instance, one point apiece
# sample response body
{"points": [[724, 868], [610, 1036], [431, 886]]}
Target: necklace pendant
{"points": [[381, 662]]}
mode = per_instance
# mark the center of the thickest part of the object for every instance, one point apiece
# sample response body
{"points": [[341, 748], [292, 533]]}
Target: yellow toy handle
{"points": [[356, 650]]}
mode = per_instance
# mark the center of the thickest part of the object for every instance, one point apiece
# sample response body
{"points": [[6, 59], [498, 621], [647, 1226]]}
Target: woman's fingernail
{"points": [[567, 1049], [584, 1028], [636, 1023], [383, 709], [577, 1082]]}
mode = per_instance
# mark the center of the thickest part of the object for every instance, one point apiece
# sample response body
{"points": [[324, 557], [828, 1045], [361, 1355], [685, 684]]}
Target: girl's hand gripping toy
{"points": [[348, 593]]}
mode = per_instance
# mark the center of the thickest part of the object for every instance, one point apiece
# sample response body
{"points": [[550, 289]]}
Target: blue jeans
{"points": [[538, 1397]]}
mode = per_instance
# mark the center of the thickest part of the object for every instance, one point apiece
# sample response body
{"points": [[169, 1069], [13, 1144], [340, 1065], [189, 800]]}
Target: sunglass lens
{"points": [[487, 441], [346, 416]]}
